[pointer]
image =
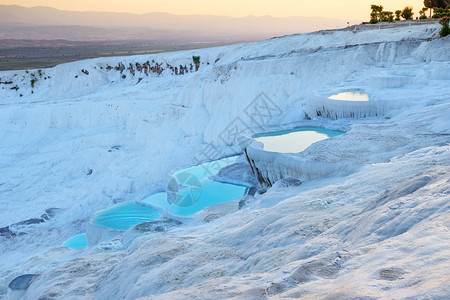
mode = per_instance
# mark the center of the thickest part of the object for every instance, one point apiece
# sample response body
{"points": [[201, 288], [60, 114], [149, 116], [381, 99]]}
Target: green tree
{"points": [[441, 12], [397, 15], [376, 8], [407, 13], [391, 17], [386, 16], [445, 28], [196, 60], [440, 3], [422, 13], [428, 4], [375, 16]]}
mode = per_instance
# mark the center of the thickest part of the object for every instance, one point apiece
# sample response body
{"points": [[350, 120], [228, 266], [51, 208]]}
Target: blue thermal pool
{"points": [[126, 215], [296, 140], [77, 241], [350, 96], [190, 192], [207, 169], [190, 200]]}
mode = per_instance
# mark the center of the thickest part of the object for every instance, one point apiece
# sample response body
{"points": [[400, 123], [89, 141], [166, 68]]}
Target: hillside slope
{"points": [[86, 135]]}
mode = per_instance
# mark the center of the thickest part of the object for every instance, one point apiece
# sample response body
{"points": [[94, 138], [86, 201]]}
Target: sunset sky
{"points": [[342, 9]]}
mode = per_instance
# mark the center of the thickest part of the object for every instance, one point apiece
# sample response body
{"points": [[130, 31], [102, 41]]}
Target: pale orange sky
{"points": [[340, 9]]}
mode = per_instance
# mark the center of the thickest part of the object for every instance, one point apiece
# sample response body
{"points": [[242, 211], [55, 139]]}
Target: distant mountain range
{"points": [[40, 23]]}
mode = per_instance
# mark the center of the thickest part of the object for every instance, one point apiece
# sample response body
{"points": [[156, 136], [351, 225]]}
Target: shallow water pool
{"points": [[295, 140], [77, 241], [189, 201], [184, 200], [126, 215], [350, 96], [207, 169]]}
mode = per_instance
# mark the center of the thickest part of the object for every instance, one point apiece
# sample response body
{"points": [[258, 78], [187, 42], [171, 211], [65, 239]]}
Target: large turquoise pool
{"points": [[295, 140], [186, 199], [210, 193]]}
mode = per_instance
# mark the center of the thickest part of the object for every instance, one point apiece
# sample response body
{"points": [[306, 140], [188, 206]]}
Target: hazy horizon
{"points": [[40, 22], [42, 36], [347, 10], [27, 31]]}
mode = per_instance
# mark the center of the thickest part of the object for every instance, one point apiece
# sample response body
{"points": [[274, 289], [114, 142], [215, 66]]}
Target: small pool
{"points": [[296, 140], [77, 241], [207, 169], [350, 96], [126, 215]]}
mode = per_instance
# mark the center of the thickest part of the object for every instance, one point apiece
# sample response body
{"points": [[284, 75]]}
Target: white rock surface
{"points": [[359, 233]]}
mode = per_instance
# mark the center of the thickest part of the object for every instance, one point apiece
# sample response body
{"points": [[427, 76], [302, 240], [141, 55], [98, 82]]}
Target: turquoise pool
{"points": [[295, 140], [208, 168], [211, 193], [188, 199], [77, 241], [126, 215]]}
